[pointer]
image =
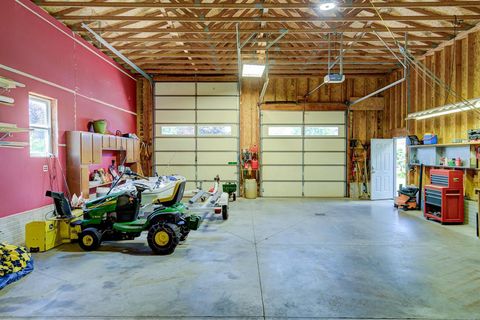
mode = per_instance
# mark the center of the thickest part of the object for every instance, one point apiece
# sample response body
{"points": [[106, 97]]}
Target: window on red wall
{"points": [[42, 120]]}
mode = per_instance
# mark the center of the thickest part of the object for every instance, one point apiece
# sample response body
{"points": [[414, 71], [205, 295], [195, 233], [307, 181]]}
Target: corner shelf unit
{"points": [[430, 155]]}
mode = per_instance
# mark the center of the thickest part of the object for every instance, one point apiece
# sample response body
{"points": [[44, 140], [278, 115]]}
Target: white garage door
{"points": [[197, 130], [303, 154]]}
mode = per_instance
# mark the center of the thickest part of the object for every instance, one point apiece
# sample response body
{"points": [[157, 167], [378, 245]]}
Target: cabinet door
{"points": [[84, 175], [124, 143], [130, 152], [86, 148], [105, 142], [97, 149], [118, 142], [113, 142], [136, 150]]}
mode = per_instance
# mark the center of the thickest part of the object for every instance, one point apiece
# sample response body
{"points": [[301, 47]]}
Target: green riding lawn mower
{"points": [[120, 215]]}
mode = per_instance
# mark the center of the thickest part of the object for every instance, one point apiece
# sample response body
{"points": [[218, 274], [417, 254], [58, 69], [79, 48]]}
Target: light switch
{"points": [[45, 168]]}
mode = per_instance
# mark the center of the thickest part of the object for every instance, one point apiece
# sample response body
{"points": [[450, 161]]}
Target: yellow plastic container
{"points": [[250, 188]]}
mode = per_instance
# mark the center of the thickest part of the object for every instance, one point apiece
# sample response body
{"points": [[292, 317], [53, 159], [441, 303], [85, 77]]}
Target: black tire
{"points": [[90, 239], [163, 238], [225, 212], [234, 197]]}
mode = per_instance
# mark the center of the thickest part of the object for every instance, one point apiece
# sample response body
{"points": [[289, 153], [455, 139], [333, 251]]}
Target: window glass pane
{"points": [[178, 130], [284, 131], [321, 131], [215, 130], [38, 112], [39, 142]]}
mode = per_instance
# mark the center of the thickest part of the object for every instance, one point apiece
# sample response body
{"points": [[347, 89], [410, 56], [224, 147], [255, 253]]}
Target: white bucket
{"points": [[250, 188]]}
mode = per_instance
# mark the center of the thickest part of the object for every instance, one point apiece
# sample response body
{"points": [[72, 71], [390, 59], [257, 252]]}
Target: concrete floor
{"points": [[288, 258]]}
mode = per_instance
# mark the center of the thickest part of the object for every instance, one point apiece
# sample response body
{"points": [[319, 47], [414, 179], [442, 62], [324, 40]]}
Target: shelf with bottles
{"points": [[452, 156]]}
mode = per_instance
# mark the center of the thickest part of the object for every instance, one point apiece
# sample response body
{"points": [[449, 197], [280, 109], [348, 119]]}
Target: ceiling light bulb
{"points": [[327, 5]]}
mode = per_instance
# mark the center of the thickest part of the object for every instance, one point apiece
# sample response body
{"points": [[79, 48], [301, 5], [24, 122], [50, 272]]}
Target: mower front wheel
{"points": [[90, 239], [163, 238]]}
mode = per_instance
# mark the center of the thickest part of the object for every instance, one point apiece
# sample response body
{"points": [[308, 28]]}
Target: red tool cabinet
{"points": [[444, 196]]}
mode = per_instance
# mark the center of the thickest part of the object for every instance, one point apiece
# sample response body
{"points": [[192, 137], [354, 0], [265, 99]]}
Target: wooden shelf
{"points": [[446, 167], [463, 144], [13, 144]]}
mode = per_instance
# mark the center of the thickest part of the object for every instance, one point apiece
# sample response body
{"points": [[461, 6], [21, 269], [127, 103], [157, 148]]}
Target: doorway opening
{"points": [[400, 145]]}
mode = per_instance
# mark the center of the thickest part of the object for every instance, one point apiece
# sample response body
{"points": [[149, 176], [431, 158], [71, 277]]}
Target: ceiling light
{"points": [[253, 70], [327, 5], [444, 110]]}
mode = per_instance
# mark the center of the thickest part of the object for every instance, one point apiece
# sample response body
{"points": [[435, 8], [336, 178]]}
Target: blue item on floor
{"points": [[12, 277]]}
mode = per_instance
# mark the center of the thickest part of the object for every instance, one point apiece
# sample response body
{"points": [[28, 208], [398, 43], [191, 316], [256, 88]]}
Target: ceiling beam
{"points": [[86, 18], [271, 30], [252, 5]]}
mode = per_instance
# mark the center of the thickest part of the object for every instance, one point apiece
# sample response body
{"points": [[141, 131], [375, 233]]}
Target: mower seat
{"points": [[177, 196]]}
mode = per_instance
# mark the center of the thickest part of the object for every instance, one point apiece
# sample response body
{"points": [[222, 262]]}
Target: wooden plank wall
{"points": [[145, 124], [456, 64]]}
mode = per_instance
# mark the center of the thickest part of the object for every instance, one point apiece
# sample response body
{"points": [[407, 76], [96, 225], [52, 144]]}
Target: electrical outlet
{"points": [[45, 168]]}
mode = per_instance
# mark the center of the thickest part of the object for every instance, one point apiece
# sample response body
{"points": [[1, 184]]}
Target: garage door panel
{"points": [[186, 171], [217, 144], [180, 144], [324, 189], [165, 158], [324, 158], [282, 189], [216, 157], [282, 172], [175, 103], [174, 88], [281, 158], [217, 116], [217, 89], [324, 117], [282, 117], [170, 116], [220, 102], [330, 173], [282, 145], [210, 172], [324, 144]]}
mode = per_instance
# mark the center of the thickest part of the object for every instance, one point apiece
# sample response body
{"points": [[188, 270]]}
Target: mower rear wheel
{"points": [[163, 238], [90, 239], [225, 212]]}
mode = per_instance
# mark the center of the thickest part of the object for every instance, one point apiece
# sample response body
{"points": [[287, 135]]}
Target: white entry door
{"points": [[382, 169]]}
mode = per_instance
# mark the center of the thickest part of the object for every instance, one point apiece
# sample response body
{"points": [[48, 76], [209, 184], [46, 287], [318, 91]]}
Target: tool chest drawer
{"points": [[433, 197]]}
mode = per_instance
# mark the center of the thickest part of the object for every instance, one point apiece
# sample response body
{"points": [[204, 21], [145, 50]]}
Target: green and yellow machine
{"points": [[118, 216]]}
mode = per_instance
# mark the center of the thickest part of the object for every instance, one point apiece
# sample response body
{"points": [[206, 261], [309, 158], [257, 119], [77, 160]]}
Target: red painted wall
{"points": [[85, 82]]}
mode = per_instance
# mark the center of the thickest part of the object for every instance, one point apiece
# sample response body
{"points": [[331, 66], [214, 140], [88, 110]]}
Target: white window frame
{"points": [[270, 134], [177, 126], [50, 128], [321, 135], [214, 135]]}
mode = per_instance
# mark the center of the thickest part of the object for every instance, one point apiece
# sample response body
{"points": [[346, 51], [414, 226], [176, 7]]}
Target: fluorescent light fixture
{"points": [[253, 70], [327, 5], [444, 110]]}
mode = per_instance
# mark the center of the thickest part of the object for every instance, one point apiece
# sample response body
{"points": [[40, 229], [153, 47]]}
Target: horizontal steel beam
{"points": [[252, 5]]}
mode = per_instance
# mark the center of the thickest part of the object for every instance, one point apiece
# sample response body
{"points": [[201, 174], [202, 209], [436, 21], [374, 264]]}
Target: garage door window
{"points": [[319, 131], [215, 130], [285, 131], [178, 130]]}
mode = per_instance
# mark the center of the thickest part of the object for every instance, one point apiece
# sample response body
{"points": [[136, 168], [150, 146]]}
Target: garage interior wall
{"points": [[456, 64], [366, 119], [85, 84]]}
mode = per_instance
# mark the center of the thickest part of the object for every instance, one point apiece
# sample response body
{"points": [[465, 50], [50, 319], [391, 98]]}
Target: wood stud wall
{"points": [[458, 65]]}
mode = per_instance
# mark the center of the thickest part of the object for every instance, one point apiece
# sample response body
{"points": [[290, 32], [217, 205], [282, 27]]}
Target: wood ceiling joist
{"points": [[103, 17], [193, 5]]}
